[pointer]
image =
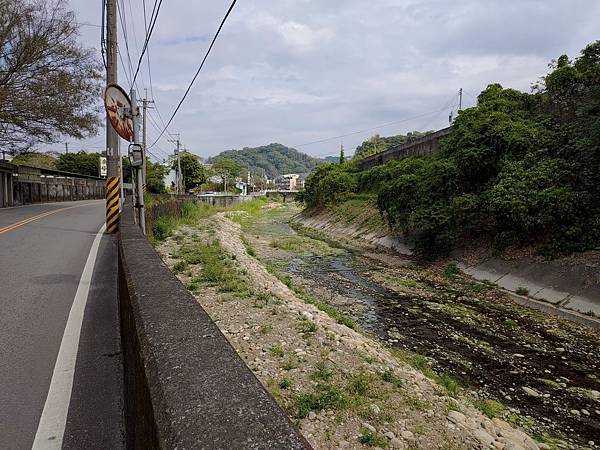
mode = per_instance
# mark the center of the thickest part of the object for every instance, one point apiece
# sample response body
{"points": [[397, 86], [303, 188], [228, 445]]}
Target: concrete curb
{"points": [[550, 309]]}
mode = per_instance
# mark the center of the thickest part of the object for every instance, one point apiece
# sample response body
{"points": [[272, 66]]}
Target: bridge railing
{"points": [[185, 386]]}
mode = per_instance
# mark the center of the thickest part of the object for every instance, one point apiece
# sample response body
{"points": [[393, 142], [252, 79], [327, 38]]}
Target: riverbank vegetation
{"points": [[519, 167]]}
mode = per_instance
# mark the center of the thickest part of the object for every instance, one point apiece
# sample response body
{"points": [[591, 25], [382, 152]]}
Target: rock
{"points": [[595, 394], [530, 443], [389, 435], [408, 435], [575, 412], [369, 427], [456, 417], [396, 443], [312, 415], [482, 436], [344, 444], [585, 412], [560, 349], [375, 408], [531, 392], [543, 446], [518, 355]]}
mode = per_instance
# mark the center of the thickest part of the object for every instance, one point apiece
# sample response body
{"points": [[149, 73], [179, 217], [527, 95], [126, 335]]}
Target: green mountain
{"points": [[271, 160]]}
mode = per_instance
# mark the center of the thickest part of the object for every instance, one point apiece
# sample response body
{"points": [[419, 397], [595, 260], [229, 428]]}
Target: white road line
{"points": [[51, 427]]}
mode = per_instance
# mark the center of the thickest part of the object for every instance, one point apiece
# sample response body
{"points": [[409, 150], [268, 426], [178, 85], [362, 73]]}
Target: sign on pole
{"points": [[103, 166]]}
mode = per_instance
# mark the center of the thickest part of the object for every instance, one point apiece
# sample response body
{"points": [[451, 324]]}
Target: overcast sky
{"points": [[298, 71]]}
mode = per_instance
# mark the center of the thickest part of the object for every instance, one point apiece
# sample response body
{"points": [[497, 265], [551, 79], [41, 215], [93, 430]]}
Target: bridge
{"points": [[423, 146]]}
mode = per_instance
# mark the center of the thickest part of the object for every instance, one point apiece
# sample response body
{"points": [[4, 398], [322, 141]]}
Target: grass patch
{"points": [[422, 364], [248, 247], [307, 326], [322, 372], [218, 268], [390, 377], [327, 397], [359, 384], [522, 291], [370, 439], [180, 266], [285, 383], [451, 271], [491, 408], [509, 323], [277, 350]]}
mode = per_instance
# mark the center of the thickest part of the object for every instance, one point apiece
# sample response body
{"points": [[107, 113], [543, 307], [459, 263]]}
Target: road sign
{"points": [[103, 166], [118, 108]]}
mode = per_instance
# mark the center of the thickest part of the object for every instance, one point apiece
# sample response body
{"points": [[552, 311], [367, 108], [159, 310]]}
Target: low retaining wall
{"points": [[185, 386]]}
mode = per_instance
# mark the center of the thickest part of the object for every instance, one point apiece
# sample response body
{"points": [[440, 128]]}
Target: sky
{"points": [[304, 72]]}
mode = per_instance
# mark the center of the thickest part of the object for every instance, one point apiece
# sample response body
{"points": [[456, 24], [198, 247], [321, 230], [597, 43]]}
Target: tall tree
{"points": [[192, 170], [49, 83], [81, 162], [155, 177], [226, 168]]}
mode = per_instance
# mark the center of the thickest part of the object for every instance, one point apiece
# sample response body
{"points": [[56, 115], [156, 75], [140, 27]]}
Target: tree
{"points": [[192, 170], [155, 177], [81, 162], [35, 159], [49, 83], [227, 169], [342, 158]]}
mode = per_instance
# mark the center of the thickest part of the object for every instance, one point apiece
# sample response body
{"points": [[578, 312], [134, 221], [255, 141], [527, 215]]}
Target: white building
{"points": [[287, 182]]}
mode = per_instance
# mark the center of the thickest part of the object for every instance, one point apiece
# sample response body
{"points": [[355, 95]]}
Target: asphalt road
{"points": [[43, 251]]}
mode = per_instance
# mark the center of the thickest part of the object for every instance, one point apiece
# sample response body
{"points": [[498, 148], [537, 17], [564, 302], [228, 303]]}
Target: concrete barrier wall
{"points": [[423, 146], [185, 386], [20, 185]]}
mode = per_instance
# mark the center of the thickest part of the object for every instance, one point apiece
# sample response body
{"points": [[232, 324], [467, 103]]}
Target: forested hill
{"points": [[272, 160]]}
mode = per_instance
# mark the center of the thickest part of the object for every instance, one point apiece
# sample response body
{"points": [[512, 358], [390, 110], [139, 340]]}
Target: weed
{"points": [[359, 383], [550, 383], [265, 328], [322, 372], [522, 291], [590, 313], [308, 326], [180, 266], [509, 323], [327, 397], [390, 377], [248, 247], [491, 408], [285, 383], [277, 350], [290, 363], [451, 270], [371, 439]]}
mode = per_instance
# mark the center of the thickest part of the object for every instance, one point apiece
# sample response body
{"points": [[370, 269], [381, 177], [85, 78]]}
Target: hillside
{"points": [[271, 160]]}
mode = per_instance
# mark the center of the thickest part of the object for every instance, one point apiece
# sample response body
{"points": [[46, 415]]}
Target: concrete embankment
{"points": [[185, 386]]}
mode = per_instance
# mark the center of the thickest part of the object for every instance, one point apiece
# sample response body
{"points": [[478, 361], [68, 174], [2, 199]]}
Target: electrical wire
{"points": [[153, 19], [199, 69]]}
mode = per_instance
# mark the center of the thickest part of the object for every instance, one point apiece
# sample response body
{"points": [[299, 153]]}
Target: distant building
{"points": [[288, 182]]}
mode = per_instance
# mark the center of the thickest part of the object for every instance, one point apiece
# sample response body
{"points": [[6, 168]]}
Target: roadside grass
{"points": [[371, 439], [192, 212], [217, 267]]}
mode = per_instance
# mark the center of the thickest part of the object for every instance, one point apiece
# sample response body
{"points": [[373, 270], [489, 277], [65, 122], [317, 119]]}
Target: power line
{"points": [[199, 68], [370, 129], [121, 13], [153, 19]]}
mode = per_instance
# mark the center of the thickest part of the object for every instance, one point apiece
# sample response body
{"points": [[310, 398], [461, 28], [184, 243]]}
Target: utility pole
{"points": [[460, 100], [144, 141], [66, 147], [113, 156], [178, 177], [135, 113]]}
